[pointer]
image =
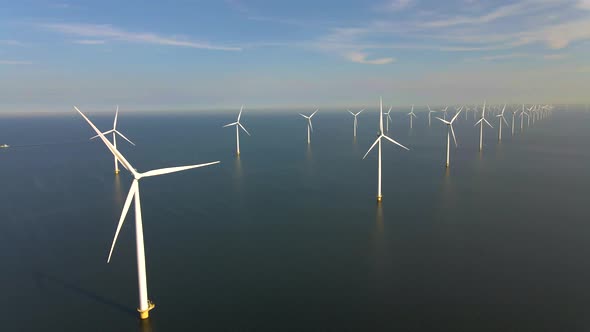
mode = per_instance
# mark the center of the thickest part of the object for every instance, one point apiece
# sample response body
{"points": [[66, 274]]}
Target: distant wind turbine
{"points": [[355, 125], [388, 119], [445, 112], [522, 114], [378, 141], [309, 125], [411, 115], [238, 126], [513, 115], [145, 305], [430, 111], [115, 133], [480, 122], [501, 118], [449, 132]]}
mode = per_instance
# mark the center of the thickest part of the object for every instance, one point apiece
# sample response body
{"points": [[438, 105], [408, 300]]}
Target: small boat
{"points": [[4, 146]]}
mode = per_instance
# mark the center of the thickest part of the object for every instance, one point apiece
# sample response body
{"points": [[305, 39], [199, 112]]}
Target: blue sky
{"points": [[221, 54]]}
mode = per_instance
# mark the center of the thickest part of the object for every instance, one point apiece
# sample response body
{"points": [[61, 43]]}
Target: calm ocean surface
{"points": [[289, 237]]}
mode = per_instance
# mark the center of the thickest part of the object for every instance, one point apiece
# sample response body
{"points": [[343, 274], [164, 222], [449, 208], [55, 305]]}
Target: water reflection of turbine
{"points": [[145, 325]]}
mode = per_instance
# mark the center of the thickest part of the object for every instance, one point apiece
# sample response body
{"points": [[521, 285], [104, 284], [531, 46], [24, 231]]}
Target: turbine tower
{"points": [[480, 122], [378, 141], [145, 305], [238, 126], [449, 132], [501, 118], [411, 115], [115, 133], [355, 125], [309, 126]]}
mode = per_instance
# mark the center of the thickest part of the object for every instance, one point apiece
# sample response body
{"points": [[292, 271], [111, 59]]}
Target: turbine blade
{"points": [[240, 114], [372, 146], [453, 132], [168, 170], [445, 121], [116, 115], [394, 142], [113, 150], [310, 125], [478, 122], [429, 108], [125, 138], [130, 196], [105, 133], [239, 124], [304, 116], [361, 111], [312, 114], [351, 113], [506, 122], [488, 123], [456, 115], [230, 124]]}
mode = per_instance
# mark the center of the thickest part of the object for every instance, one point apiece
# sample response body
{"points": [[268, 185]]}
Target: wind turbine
{"points": [[355, 125], [513, 115], [238, 126], [429, 114], [480, 122], [115, 133], [411, 114], [501, 118], [388, 119], [378, 140], [445, 112], [145, 305], [449, 132], [309, 126], [522, 114]]}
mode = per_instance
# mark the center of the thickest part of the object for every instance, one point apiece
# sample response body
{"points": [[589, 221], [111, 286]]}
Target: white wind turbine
{"points": [[145, 305], [445, 112], [378, 140], [411, 114], [388, 119], [238, 126], [513, 115], [522, 114], [309, 126], [480, 122], [355, 125], [449, 132], [115, 133], [501, 118], [430, 111]]}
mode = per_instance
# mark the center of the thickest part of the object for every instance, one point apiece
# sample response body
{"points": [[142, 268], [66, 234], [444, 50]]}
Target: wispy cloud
{"points": [[89, 42], [15, 62], [555, 56], [11, 42], [395, 5], [504, 56], [360, 57], [108, 32]]}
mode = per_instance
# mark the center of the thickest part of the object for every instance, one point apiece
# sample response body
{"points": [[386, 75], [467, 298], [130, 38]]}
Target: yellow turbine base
{"points": [[116, 171], [144, 314], [379, 199]]}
